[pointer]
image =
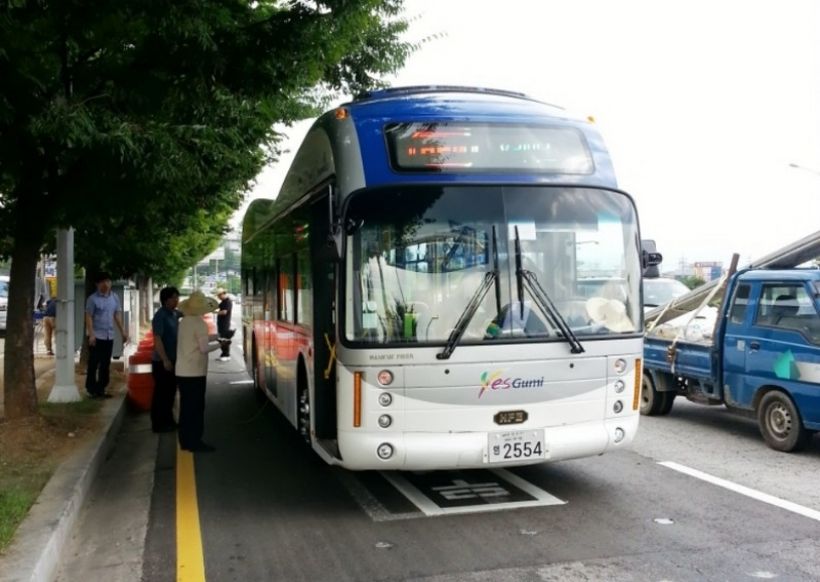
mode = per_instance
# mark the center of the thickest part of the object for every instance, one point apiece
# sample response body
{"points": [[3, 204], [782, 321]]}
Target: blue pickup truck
{"points": [[764, 357]]}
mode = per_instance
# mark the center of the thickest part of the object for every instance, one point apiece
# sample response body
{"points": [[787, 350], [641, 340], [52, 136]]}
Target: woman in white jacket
{"points": [[193, 345]]}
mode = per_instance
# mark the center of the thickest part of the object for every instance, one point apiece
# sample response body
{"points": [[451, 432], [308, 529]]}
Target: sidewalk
{"points": [[38, 543]]}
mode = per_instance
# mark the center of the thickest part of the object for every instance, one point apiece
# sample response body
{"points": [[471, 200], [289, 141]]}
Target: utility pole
{"points": [[65, 390]]}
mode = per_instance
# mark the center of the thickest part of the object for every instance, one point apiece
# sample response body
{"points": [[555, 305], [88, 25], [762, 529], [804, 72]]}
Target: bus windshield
{"points": [[415, 256]]}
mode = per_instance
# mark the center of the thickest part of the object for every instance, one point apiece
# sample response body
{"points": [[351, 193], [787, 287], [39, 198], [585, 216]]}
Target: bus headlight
{"points": [[618, 406], [385, 399], [384, 451], [620, 366], [619, 386], [385, 420], [619, 434], [385, 377]]}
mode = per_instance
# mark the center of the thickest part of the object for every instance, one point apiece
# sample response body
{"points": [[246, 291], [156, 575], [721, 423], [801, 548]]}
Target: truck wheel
{"points": [[667, 404], [652, 401], [780, 423]]}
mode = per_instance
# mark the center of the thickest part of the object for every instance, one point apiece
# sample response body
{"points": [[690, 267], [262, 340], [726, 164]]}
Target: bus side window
{"points": [[275, 287], [741, 300], [286, 290], [304, 289]]}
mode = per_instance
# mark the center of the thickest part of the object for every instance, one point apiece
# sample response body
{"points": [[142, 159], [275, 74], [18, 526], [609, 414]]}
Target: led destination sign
{"points": [[459, 147]]}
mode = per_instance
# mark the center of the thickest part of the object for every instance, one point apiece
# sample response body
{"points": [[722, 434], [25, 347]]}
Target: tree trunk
{"points": [[20, 391]]}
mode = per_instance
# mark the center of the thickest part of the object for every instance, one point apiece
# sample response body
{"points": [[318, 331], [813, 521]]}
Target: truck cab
{"points": [[764, 357], [771, 351]]}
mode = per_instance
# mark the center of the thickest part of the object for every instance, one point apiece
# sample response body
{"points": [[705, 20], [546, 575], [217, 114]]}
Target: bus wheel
{"points": [[304, 406], [653, 402], [780, 423]]}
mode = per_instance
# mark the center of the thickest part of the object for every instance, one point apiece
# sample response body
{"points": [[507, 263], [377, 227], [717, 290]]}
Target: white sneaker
{"points": [[224, 358]]}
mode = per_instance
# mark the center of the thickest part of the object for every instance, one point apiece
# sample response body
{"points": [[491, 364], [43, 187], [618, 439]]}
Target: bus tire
{"points": [[304, 405], [780, 423], [652, 401]]}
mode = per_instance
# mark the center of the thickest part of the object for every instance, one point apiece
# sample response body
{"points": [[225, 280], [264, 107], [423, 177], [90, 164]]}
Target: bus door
{"points": [[324, 275], [269, 335]]}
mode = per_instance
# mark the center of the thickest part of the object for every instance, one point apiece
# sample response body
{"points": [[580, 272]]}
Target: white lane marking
{"points": [[743, 490], [429, 508], [367, 501]]}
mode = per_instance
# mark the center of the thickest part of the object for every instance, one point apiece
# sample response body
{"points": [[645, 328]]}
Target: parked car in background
{"points": [[660, 291], [4, 300]]}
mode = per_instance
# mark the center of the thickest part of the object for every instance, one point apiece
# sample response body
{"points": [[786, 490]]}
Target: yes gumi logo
{"points": [[495, 381]]}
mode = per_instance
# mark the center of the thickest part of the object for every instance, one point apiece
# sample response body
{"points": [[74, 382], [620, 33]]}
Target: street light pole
{"points": [[65, 390]]}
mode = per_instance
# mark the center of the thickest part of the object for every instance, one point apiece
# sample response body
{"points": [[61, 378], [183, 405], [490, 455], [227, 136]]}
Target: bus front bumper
{"points": [[426, 451]]}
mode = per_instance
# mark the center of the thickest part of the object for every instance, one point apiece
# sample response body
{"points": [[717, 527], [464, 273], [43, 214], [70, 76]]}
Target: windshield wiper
{"points": [[472, 306], [525, 278]]}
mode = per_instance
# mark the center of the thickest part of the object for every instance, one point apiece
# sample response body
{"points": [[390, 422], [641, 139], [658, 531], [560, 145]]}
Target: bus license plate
{"points": [[516, 445]]}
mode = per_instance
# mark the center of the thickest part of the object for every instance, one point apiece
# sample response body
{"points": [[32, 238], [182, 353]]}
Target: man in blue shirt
{"points": [[102, 312], [164, 326]]}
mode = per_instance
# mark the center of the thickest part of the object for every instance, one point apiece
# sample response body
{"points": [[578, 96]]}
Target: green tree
{"points": [[114, 108], [692, 281]]}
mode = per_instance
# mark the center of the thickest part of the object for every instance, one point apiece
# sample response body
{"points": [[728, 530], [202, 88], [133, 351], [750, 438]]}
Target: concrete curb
{"points": [[34, 555]]}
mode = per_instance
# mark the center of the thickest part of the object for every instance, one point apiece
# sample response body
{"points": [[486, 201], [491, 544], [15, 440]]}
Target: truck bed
{"points": [[693, 360]]}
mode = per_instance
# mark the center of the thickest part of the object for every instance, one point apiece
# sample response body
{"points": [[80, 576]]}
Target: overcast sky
{"points": [[703, 104]]}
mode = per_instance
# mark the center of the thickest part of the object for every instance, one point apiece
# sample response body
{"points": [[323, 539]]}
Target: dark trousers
{"points": [[223, 330], [99, 366], [191, 411], [162, 403]]}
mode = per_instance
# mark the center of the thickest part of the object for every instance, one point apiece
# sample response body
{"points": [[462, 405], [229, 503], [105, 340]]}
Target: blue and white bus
{"points": [[416, 297]]}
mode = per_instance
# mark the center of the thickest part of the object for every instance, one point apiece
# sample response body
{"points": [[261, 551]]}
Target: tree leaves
{"points": [[113, 106]]}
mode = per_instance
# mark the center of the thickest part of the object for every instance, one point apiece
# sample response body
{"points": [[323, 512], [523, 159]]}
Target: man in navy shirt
{"points": [[165, 325], [102, 312]]}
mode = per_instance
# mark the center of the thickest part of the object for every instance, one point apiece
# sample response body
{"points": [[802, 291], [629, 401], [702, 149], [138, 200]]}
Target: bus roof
{"points": [[349, 143], [450, 101], [447, 102]]}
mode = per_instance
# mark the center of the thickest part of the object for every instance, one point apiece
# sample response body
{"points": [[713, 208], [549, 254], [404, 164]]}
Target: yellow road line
{"points": [[190, 560]]}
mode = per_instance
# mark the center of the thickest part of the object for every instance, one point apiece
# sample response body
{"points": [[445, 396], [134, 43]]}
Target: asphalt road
{"points": [[269, 509]]}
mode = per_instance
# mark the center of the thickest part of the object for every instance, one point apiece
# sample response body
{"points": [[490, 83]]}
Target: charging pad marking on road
{"points": [[370, 503], [190, 560], [743, 490], [456, 492]]}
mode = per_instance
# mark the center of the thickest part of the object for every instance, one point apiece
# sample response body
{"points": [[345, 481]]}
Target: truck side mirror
{"points": [[649, 264], [651, 259]]}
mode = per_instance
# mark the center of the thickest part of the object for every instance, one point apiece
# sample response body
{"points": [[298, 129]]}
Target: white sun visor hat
{"points": [[610, 313]]}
